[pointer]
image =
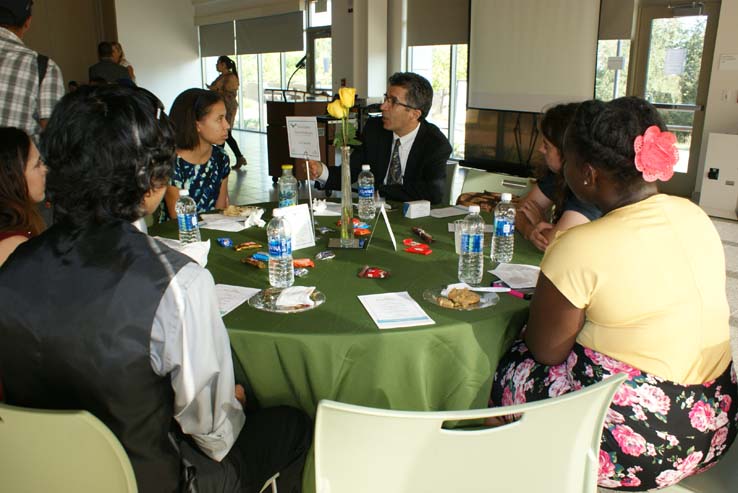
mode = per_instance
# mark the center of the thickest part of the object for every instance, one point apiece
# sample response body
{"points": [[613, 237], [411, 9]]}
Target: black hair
{"points": [[188, 108], [602, 134], [15, 19], [106, 147], [17, 210], [230, 64], [419, 90], [105, 49], [553, 127]]}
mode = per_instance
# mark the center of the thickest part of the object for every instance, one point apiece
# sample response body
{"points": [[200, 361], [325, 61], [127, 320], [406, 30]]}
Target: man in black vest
{"points": [[96, 315], [407, 154]]}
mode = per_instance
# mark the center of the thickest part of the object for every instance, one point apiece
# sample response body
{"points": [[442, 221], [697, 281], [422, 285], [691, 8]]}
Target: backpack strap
{"points": [[43, 63]]}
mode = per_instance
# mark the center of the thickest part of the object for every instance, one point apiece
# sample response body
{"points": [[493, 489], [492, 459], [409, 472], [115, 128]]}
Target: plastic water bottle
{"points": [[279, 236], [186, 209], [503, 238], [287, 187], [471, 258], [367, 209]]}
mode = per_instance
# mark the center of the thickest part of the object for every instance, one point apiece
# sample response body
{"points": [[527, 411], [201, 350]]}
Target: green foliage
{"points": [[351, 139]]}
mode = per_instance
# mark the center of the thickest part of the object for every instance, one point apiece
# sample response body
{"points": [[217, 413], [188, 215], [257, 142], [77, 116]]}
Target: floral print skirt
{"points": [[656, 432]]}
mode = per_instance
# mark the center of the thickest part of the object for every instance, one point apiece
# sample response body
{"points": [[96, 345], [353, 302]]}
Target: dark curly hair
{"points": [[602, 134], [188, 108], [106, 147], [419, 90], [17, 210]]}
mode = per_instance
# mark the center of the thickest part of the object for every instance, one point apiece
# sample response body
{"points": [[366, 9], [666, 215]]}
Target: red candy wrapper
{"points": [[362, 232], [423, 235], [367, 272], [354, 220], [420, 249], [303, 262]]}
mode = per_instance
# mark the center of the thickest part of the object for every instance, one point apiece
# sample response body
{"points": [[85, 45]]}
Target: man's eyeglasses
{"points": [[394, 102]]}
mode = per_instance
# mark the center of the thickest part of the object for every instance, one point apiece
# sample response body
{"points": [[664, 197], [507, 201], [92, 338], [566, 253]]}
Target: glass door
{"points": [[673, 63], [319, 59]]}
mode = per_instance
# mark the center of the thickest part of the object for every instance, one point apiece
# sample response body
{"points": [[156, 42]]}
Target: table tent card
{"points": [[303, 142], [301, 224]]}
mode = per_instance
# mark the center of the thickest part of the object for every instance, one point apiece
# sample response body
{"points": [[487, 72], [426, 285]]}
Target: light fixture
{"points": [[686, 9]]}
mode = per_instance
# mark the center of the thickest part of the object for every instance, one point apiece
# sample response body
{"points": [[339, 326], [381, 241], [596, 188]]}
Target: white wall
{"points": [[160, 40], [721, 116], [342, 44]]}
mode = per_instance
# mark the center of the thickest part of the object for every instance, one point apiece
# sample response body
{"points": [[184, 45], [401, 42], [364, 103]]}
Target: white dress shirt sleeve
{"points": [[189, 342]]}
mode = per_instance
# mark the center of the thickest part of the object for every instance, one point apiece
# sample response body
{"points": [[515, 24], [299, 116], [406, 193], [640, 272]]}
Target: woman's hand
{"points": [[240, 394], [538, 235], [532, 212]]}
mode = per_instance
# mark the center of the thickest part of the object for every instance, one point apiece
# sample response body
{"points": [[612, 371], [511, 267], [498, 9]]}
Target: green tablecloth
{"points": [[335, 351]]}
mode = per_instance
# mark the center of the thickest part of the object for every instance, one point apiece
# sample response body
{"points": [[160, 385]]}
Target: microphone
{"points": [[302, 62]]}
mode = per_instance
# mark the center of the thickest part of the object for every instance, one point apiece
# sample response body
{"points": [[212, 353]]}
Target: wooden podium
{"points": [[277, 146]]}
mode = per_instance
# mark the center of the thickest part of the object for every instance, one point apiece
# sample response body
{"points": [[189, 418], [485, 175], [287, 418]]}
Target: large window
{"points": [[445, 66], [611, 79]]}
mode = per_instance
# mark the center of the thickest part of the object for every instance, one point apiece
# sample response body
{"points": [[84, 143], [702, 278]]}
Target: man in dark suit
{"points": [[106, 68], [407, 154]]}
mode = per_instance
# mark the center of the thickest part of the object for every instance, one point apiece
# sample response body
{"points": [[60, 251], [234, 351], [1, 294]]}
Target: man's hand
{"points": [[241, 394], [316, 169]]}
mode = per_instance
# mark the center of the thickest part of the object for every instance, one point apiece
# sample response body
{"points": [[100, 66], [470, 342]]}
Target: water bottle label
{"points": [[187, 222], [287, 199], [366, 191], [280, 248], [504, 227], [472, 243]]}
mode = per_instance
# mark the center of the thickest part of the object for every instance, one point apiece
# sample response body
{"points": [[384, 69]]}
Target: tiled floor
{"points": [[253, 184]]}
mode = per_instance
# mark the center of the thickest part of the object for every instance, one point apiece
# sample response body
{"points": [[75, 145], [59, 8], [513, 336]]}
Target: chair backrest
{"points": [[553, 447], [60, 451]]}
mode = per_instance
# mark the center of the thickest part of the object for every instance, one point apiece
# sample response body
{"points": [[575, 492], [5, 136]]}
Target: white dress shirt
{"points": [[406, 143], [189, 342]]}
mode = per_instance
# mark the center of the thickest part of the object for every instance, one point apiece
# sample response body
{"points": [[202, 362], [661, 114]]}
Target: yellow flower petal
{"points": [[336, 109], [347, 95]]}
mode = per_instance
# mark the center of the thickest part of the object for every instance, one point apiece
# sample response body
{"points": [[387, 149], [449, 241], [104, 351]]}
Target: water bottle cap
{"points": [[474, 208], [286, 166], [365, 167], [506, 197], [184, 193]]}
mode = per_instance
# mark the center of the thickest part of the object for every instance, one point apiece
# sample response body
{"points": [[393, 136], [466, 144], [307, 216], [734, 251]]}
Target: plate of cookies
{"points": [[239, 210], [460, 298]]}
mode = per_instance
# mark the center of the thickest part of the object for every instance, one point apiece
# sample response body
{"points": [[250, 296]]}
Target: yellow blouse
{"points": [[651, 279]]}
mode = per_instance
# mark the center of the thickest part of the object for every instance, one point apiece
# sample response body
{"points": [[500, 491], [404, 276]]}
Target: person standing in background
{"points": [[107, 68], [227, 85], [30, 84], [119, 57]]}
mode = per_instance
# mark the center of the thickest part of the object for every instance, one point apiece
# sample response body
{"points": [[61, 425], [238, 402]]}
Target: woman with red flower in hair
{"points": [[640, 291]]}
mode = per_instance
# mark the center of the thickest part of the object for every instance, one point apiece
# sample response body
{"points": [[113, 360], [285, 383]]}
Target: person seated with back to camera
{"points": [[129, 329], [202, 166], [407, 154], [639, 291], [551, 191]]}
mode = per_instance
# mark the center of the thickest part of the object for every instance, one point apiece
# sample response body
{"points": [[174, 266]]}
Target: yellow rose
{"points": [[347, 95], [337, 110]]}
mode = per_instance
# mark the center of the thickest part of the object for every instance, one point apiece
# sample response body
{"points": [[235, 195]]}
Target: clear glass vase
{"points": [[347, 211]]}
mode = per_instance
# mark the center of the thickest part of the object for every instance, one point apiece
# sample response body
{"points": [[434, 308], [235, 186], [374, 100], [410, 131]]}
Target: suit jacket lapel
{"points": [[384, 155]]}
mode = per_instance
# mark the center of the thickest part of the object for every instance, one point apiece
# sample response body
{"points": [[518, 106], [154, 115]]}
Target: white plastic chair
{"points": [[60, 451], [553, 447], [466, 179]]}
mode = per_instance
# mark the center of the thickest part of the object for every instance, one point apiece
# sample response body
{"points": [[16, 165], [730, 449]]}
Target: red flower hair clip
{"points": [[656, 154]]}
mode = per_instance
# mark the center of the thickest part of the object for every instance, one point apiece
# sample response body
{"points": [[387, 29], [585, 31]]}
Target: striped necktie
{"points": [[395, 170]]}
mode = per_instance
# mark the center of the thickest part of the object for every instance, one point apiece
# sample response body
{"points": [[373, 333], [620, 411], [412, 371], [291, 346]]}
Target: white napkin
{"points": [[323, 208], [255, 219], [295, 295], [197, 251], [227, 224], [517, 276], [480, 289]]}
